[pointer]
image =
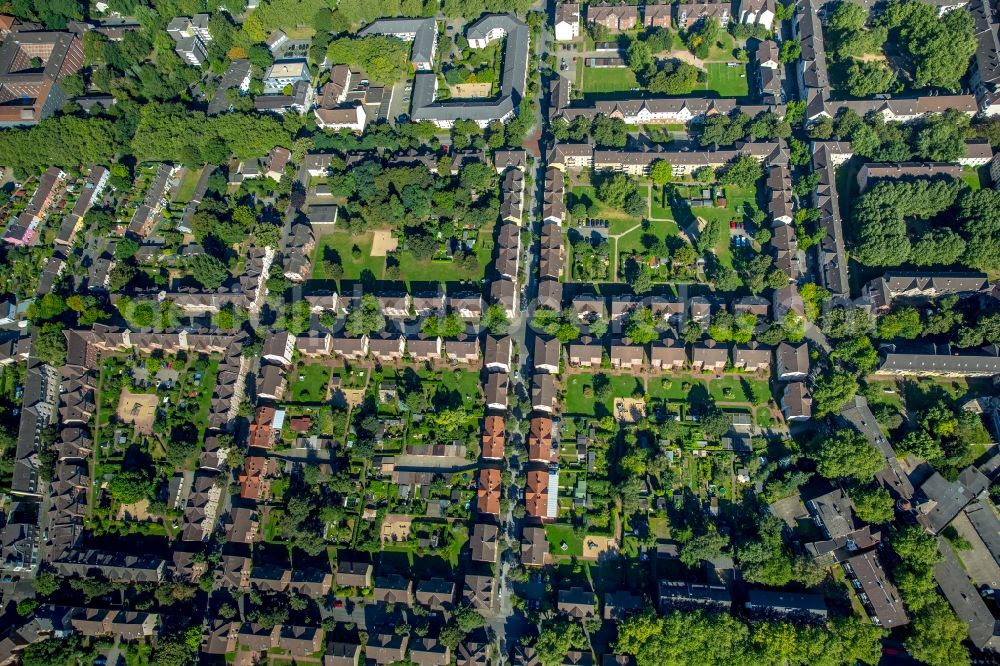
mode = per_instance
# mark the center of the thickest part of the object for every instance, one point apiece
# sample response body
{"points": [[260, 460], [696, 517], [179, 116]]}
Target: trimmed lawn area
{"points": [[619, 219], [722, 50], [608, 79], [633, 240], [466, 383], [340, 243], [559, 534], [971, 176], [309, 384], [673, 387], [736, 388], [727, 81], [431, 270], [186, 189], [577, 403]]}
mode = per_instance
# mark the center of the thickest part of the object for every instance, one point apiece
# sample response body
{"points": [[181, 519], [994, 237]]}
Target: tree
{"points": [[614, 190], [940, 47], [365, 319], [495, 319], [873, 504], [384, 59], [866, 78], [45, 583], [941, 136], [208, 270], [50, 344], [661, 172], [744, 171], [937, 636], [478, 177], [675, 77], [791, 50], [832, 391], [126, 248], [638, 275], [130, 486], [902, 322], [847, 454], [706, 546], [641, 327], [556, 639], [857, 354]]}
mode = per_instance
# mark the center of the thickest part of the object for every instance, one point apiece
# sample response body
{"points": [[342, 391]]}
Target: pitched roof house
{"points": [[485, 541], [493, 437]]}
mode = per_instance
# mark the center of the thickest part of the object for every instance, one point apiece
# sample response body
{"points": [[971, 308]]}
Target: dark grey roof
{"points": [[512, 79], [944, 499], [787, 602], [987, 525], [965, 600], [965, 365], [422, 31], [236, 73]]}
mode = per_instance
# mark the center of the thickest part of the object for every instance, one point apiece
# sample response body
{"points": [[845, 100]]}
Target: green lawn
{"points": [[559, 534], [675, 388], [722, 50], [309, 384], [466, 383], [608, 79], [429, 270], [971, 176], [341, 243], [727, 81], [588, 405], [633, 240], [619, 219], [186, 189], [736, 388]]}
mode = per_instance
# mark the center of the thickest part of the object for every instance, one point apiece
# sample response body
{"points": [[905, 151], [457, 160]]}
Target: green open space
{"points": [[558, 535], [971, 176], [608, 79], [619, 219], [341, 243], [186, 189], [632, 241], [310, 382], [412, 269], [725, 80], [580, 398]]}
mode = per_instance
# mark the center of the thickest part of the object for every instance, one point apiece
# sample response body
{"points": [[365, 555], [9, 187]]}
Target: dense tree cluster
{"points": [[709, 639], [384, 59], [884, 224], [605, 132], [726, 130], [934, 138]]}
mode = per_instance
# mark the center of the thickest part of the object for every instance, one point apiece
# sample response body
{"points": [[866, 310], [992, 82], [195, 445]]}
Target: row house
{"points": [[796, 402], [668, 355], [541, 495], [547, 355], [497, 387], [505, 294], [468, 306], [694, 14], [421, 349], [550, 293], [542, 446], [881, 292], [512, 196], [485, 543], [615, 18], [627, 356], [793, 361], [463, 350], [543, 392], [751, 358], [498, 353], [387, 349], [551, 254], [554, 196], [488, 492], [586, 355], [353, 573], [709, 356], [494, 432], [567, 21], [351, 349]]}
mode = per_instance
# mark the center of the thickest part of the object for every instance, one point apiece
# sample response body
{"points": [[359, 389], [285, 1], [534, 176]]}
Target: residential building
{"points": [[616, 18], [567, 21]]}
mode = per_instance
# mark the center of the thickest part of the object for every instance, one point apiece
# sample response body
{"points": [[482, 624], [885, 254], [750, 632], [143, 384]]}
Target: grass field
{"points": [[410, 268], [727, 81], [577, 403], [340, 243], [971, 176], [633, 240], [559, 534], [608, 79], [613, 215], [312, 385], [466, 383], [186, 189], [428, 270]]}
